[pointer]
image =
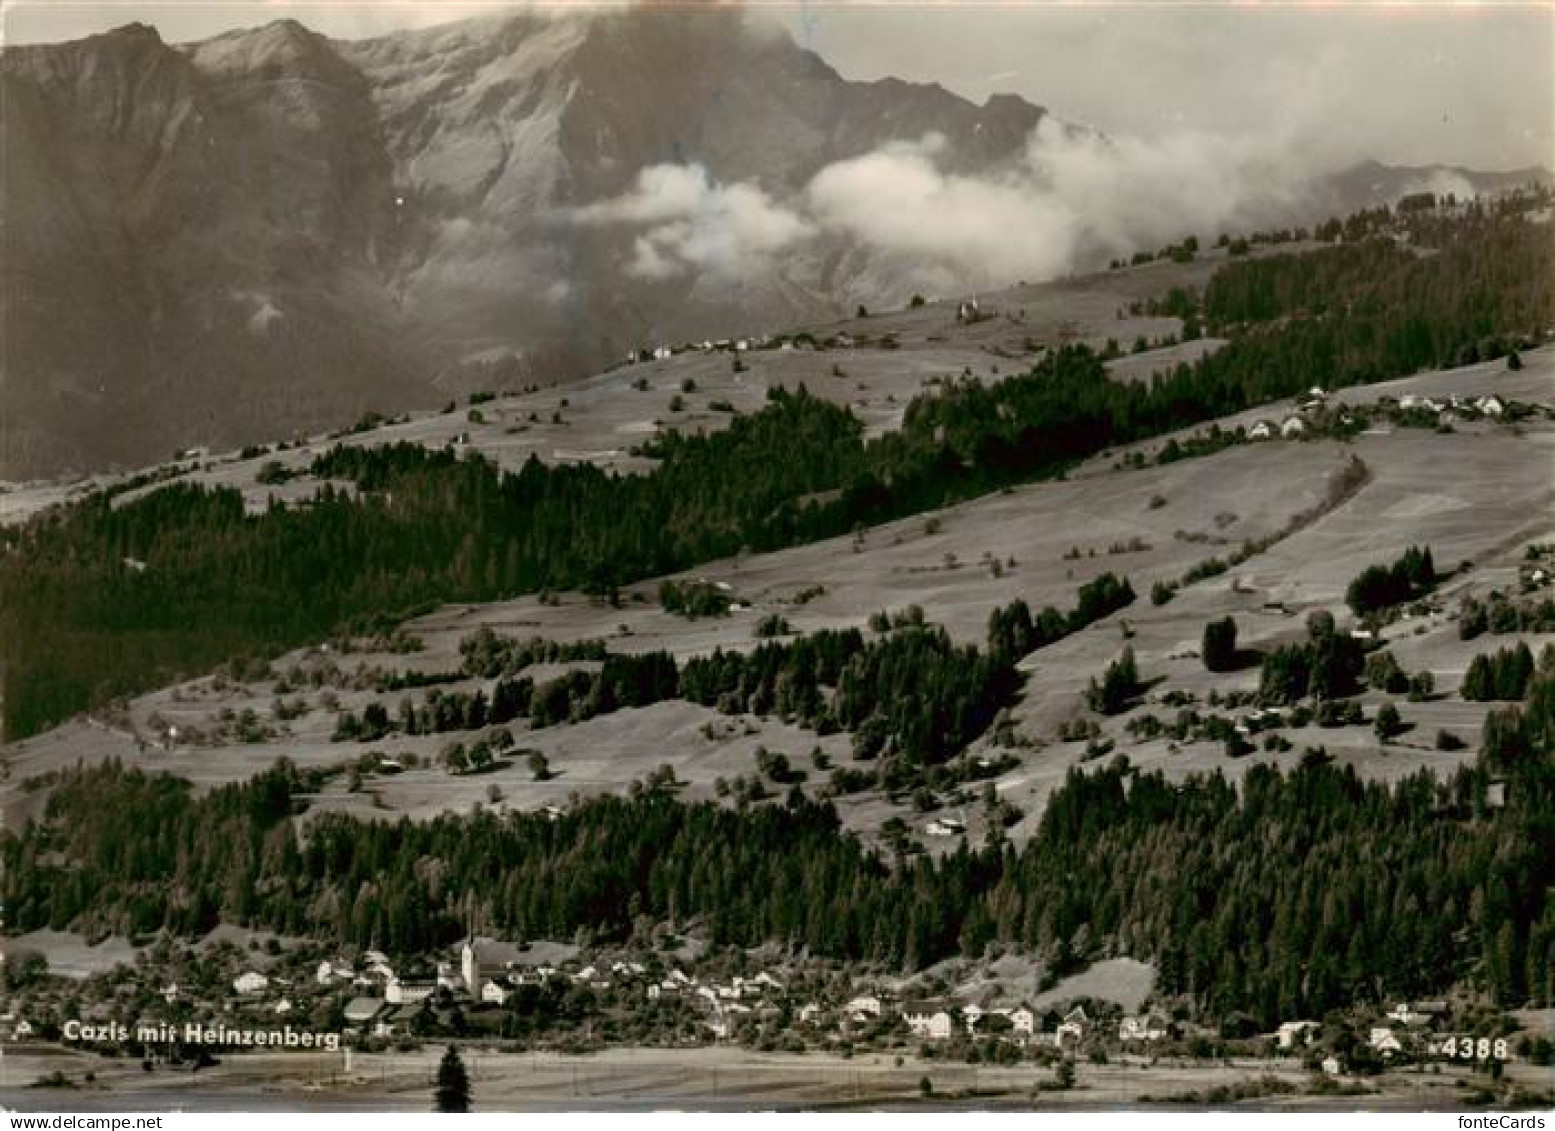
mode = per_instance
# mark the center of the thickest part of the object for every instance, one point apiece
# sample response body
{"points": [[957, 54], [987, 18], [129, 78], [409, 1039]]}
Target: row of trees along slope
{"points": [[1295, 893], [79, 626]]}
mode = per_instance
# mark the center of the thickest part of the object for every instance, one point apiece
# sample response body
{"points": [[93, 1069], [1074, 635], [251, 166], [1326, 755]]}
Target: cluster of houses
{"points": [[1407, 1028], [1017, 1024], [722, 345], [1491, 405], [1447, 410], [384, 1003], [489, 972]]}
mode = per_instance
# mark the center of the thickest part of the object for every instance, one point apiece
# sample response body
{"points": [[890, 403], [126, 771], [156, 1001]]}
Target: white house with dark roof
{"points": [[1024, 1019], [409, 991], [929, 1020], [1073, 1027]]}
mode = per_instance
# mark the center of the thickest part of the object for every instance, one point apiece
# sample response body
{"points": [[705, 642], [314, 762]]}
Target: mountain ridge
{"points": [[270, 230]]}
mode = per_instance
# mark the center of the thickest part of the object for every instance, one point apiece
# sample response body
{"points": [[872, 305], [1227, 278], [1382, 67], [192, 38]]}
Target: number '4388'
{"points": [[1470, 1048]]}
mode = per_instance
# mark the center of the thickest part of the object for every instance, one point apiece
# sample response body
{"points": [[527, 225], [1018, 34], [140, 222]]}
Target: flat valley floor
{"points": [[703, 1079]]}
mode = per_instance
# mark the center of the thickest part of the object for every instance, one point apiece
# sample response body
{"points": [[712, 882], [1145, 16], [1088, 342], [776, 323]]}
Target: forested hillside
{"points": [[98, 601], [1299, 892]]}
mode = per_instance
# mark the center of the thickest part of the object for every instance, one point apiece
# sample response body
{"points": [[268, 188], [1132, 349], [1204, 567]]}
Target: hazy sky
{"points": [[1471, 83]]}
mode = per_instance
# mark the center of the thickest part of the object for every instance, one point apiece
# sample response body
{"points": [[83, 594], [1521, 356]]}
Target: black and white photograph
{"points": [[777, 556]]}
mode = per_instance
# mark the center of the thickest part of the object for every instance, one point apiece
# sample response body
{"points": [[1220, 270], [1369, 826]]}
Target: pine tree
{"points": [[1477, 685], [1388, 723], [453, 1084], [1219, 645]]}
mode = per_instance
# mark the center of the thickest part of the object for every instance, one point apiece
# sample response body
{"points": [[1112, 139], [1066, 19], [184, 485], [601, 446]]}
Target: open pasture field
{"points": [[601, 418], [1477, 496]]}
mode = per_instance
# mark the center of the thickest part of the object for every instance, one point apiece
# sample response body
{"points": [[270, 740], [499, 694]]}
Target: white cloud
{"points": [[941, 227], [1131, 193], [693, 224], [1072, 199]]}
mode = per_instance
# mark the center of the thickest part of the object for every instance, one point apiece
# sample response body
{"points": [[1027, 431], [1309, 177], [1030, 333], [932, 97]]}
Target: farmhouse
{"points": [[250, 982], [865, 1005], [928, 1020], [1073, 1027], [409, 991], [1385, 1042], [1149, 1028], [1292, 1033], [1420, 1013], [329, 972]]}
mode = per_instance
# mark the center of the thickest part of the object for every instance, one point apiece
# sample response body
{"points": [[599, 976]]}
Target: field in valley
{"points": [[704, 1079]]}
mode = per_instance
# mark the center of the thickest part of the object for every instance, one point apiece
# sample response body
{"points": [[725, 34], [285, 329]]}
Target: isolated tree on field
{"points": [[1388, 724], [480, 756], [1119, 684], [1219, 645], [1063, 1075], [453, 1084]]}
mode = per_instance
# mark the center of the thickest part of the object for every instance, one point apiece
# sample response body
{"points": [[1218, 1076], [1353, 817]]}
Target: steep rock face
{"points": [[188, 250]]}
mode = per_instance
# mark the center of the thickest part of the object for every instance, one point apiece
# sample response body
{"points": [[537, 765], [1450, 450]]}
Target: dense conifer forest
{"points": [[1300, 890], [910, 693], [79, 625]]}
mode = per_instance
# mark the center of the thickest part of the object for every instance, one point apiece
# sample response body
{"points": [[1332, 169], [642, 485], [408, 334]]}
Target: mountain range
{"points": [[271, 231]]}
